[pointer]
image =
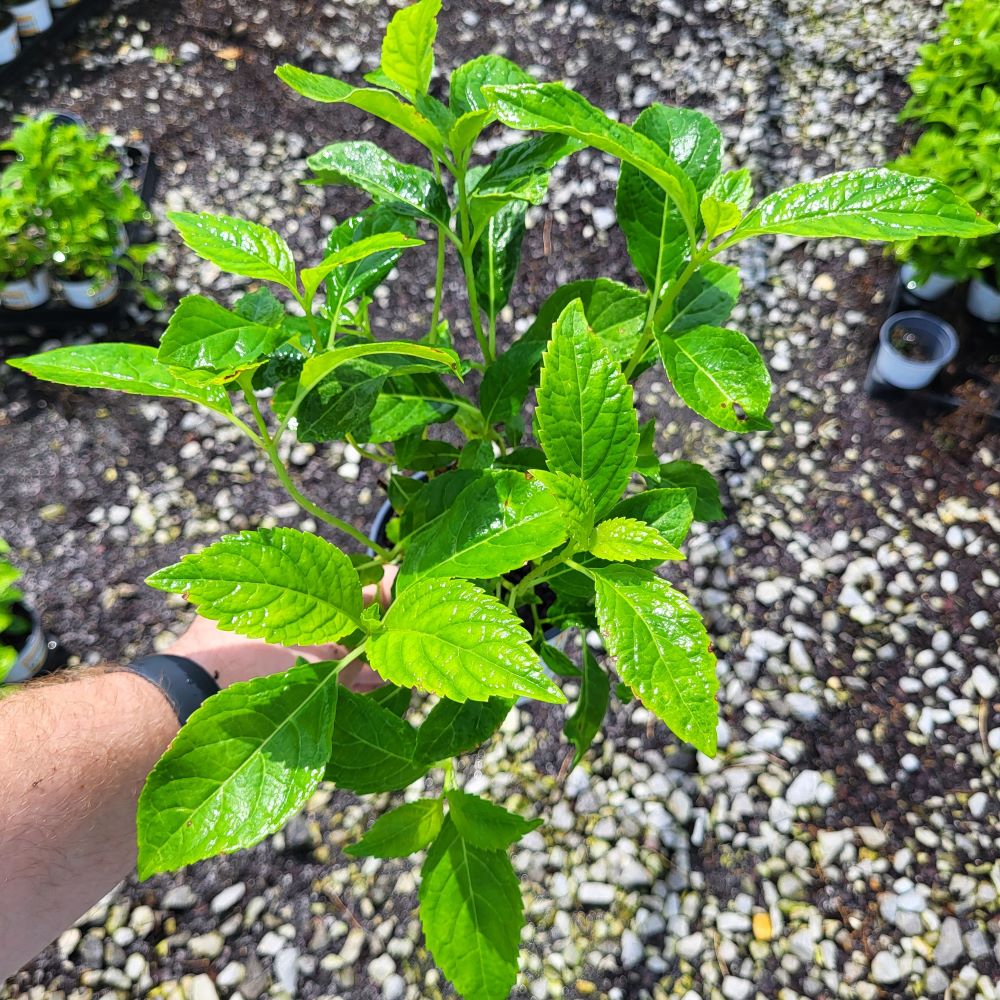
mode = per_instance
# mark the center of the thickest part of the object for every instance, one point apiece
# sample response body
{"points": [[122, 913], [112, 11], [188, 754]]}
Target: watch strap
{"points": [[185, 684]]}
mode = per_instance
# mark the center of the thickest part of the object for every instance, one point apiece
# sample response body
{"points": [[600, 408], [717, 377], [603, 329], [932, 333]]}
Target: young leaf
{"points": [[575, 503], [734, 187], [452, 728], [669, 511], [871, 204], [588, 715], [551, 107], [624, 539], [401, 832], [646, 462], [497, 524], [449, 638], [690, 475], [466, 130], [213, 342], [278, 584], [246, 761], [720, 375], [485, 824], [408, 47], [465, 92], [662, 650], [353, 280], [373, 750], [237, 246], [718, 216], [410, 190], [312, 277], [259, 307], [131, 368], [706, 300], [471, 912], [655, 231], [497, 255], [376, 102], [585, 420]]}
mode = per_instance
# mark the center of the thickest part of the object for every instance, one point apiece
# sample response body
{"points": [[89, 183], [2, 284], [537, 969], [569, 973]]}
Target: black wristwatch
{"points": [[185, 684]]}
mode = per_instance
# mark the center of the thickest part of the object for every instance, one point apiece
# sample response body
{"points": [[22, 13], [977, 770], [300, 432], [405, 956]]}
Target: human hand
{"points": [[231, 658]]}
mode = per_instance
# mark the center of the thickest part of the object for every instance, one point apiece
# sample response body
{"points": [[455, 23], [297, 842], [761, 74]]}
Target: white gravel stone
{"points": [[631, 949], [180, 897], [985, 682], [597, 894], [229, 897], [949, 948], [886, 969], [804, 789]]}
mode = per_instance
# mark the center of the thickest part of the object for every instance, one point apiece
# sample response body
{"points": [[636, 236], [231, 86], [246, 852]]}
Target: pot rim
{"points": [[948, 339]]}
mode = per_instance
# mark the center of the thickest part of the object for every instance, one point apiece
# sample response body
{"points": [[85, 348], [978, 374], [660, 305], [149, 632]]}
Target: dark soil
{"points": [[909, 344]]}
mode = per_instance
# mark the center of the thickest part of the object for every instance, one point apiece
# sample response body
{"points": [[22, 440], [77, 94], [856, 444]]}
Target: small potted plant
{"points": [[10, 44], [24, 280], [956, 98], [32, 16], [23, 649]]}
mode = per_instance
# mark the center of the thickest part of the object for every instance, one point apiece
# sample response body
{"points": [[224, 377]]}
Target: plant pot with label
{"points": [[983, 299], [10, 42], [913, 347], [934, 287], [32, 16]]}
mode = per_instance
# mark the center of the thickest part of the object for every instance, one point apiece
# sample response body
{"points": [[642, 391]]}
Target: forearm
{"points": [[75, 755]]}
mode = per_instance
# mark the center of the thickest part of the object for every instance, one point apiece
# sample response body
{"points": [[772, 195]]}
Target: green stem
{"points": [[465, 252], [271, 450], [438, 288], [449, 774], [535, 576]]}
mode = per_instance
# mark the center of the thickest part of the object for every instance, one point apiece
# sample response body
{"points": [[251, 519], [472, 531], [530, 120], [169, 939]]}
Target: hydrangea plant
{"points": [[520, 525]]}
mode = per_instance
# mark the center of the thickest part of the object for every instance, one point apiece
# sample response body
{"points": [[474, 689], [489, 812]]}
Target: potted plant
{"points": [[956, 99], [512, 532], [10, 44], [32, 16], [23, 648], [24, 281], [69, 185]]}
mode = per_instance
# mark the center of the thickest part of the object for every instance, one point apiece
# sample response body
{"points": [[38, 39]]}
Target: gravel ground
{"points": [[845, 841]]}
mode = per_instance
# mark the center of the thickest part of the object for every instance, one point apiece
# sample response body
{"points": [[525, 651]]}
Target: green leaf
{"points": [[342, 402], [585, 420], [871, 204], [690, 475], [353, 280], [391, 352], [449, 638], [576, 505], [312, 277], [401, 832], [669, 511], [453, 728], [484, 824], [720, 375], [376, 102], [237, 246], [465, 131], [706, 300], [408, 47], [588, 716], [551, 107], [718, 216], [497, 524], [471, 912], [373, 750], [395, 699], [624, 539], [406, 404], [410, 190], [131, 368], [662, 650], [646, 461], [416, 454], [616, 314], [259, 307], [496, 257], [278, 584], [246, 761], [557, 661], [467, 82], [734, 187], [438, 497], [518, 172], [213, 342], [656, 232]]}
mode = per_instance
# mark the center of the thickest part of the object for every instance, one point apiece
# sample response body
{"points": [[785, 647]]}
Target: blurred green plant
{"points": [[12, 623], [956, 97]]}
